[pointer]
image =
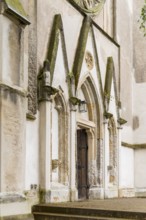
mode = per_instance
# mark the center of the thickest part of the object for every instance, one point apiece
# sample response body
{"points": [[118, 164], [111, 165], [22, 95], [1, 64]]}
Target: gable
{"points": [[79, 56], [57, 55], [90, 64], [86, 57], [111, 99], [60, 69], [110, 88]]}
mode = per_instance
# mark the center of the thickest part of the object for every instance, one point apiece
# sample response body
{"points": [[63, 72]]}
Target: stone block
{"points": [[12, 131]]}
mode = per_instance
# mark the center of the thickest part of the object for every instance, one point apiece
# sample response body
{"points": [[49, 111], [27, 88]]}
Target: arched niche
{"points": [[59, 140]]}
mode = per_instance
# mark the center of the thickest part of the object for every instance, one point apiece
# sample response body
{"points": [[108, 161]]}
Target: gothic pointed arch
{"points": [[94, 108], [93, 125]]}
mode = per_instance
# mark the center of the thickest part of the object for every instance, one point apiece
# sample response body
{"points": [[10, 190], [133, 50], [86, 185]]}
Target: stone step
{"points": [[53, 216], [48, 212]]}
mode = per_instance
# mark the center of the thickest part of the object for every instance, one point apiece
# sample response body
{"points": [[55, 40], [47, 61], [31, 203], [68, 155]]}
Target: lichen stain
{"points": [[17, 6], [14, 50], [135, 122], [10, 95]]}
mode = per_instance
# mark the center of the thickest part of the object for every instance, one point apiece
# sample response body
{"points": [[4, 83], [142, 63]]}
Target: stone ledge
{"points": [[140, 192], [111, 193], [11, 198], [96, 193], [134, 146], [30, 116], [126, 192], [18, 217], [16, 207], [13, 89], [55, 195]]}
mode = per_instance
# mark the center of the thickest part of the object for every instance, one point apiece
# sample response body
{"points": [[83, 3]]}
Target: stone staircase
{"points": [[48, 212]]}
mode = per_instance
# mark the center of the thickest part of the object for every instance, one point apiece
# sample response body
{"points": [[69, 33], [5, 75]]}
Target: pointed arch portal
{"points": [[89, 149]]}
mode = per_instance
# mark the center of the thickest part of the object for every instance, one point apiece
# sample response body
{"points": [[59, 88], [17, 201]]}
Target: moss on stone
{"points": [[18, 217], [134, 146], [53, 44], [57, 29], [122, 121], [16, 6], [97, 65], [74, 100], [15, 9], [81, 49], [108, 79], [108, 115]]}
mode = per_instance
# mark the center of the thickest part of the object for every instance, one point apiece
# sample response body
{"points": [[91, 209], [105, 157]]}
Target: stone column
{"points": [[100, 168], [73, 190], [45, 148], [45, 94], [106, 157], [119, 159]]}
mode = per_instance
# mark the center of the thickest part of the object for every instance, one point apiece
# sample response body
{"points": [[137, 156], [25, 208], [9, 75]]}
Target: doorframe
{"points": [[79, 156], [90, 127]]}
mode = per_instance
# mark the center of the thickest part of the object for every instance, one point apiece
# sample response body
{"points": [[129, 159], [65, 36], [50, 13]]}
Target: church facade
{"points": [[72, 102]]}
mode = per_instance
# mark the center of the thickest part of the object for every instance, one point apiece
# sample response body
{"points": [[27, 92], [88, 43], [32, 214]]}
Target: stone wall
{"points": [[87, 56]]}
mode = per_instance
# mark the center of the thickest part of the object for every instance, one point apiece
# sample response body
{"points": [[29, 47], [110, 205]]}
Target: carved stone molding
{"points": [[74, 102], [59, 108], [32, 62], [56, 163], [88, 125], [45, 90], [92, 173], [100, 159], [89, 60], [90, 6]]}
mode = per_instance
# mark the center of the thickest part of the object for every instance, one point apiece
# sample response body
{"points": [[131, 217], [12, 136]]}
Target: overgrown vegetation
{"points": [[142, 19]]}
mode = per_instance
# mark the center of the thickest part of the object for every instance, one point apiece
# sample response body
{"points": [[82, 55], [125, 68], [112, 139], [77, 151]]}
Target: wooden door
{"points": [[82, 162]]}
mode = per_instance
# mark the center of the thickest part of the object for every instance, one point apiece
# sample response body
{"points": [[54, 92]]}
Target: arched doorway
{"points": [[89, 148]]}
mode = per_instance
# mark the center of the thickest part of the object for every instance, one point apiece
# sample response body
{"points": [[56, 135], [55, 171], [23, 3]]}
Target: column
{"points": [[119, 159], [106, 157], [73, 190], [45, 95], [45, 146]]}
